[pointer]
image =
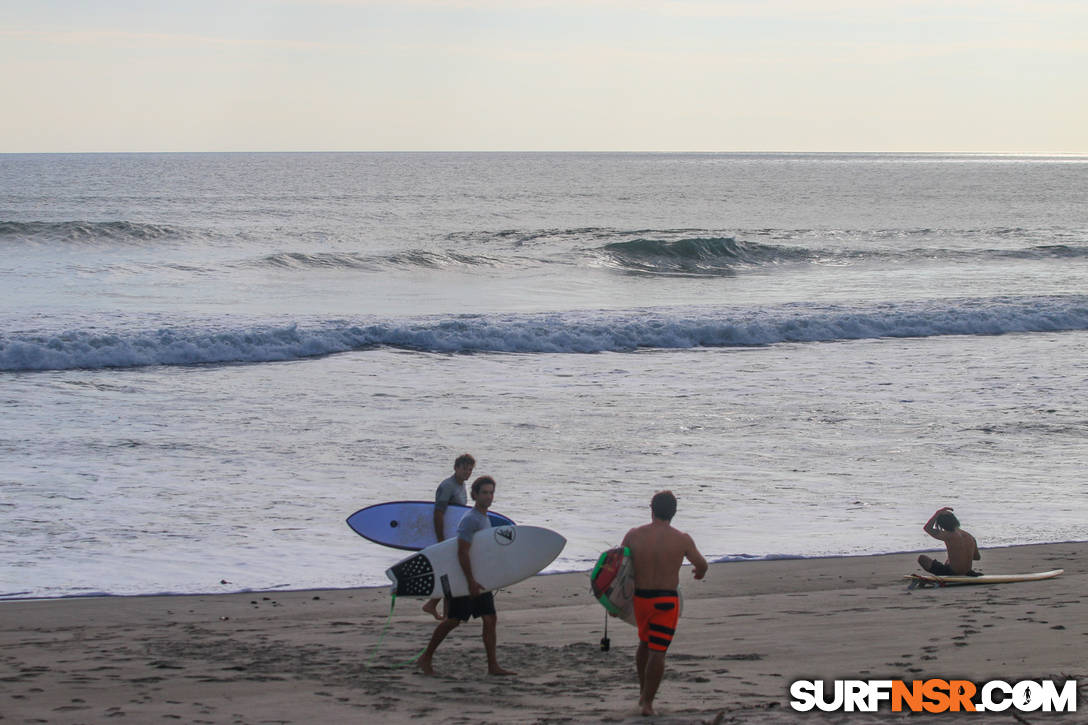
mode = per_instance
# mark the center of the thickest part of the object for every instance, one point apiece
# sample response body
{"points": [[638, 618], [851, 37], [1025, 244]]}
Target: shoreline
{"points": [[748, 630], [16, 596]]}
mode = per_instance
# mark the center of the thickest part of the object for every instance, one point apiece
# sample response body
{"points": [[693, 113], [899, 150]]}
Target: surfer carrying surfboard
{"points": [[478, 603], [451, 490], [657, 552], [961, 546]]}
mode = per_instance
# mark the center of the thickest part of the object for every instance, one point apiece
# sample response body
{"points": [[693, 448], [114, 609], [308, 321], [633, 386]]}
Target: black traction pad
{"points": [[415, 577]]}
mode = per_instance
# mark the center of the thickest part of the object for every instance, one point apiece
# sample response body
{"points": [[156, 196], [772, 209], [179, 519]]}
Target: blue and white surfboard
{"points": [[410, 524]]}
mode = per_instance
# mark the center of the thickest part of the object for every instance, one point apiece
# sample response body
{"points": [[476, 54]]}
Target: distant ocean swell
{"points": [[412, 259], [568, 332], [711, 256], [643, 252], [86, 232], [699, 256]]}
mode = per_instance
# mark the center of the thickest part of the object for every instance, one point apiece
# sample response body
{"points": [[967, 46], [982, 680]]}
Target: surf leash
{"points": [[381, 638]]}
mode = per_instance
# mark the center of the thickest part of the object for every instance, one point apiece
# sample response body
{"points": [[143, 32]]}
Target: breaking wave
{"points": [[697, 256], [420, 259], [85, 232], [568, 332], [727, 256]]}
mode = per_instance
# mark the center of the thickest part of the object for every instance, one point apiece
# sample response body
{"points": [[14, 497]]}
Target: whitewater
{"points": [[567, 332], [208, 361]]}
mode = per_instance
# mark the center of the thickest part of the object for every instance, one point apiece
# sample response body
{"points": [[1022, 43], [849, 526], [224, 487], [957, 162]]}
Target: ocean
{"points": [[208, 361]]}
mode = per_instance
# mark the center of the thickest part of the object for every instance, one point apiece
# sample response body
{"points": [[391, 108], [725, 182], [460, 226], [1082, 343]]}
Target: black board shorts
{"points": [[941, 569], [464, 608]]}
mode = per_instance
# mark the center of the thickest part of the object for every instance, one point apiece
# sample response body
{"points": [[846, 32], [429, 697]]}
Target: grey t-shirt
{"points": [[472, 522], [450, 491]]}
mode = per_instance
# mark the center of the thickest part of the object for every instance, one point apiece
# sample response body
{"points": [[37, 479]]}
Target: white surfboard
{"points": [[500, 555], [943, 581]]}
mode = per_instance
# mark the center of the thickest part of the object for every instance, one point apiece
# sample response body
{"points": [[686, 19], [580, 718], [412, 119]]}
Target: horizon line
{"points": [[796, 152]]}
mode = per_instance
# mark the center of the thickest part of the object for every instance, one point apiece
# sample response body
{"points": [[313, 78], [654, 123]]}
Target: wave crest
{"points": [[569, 332], [83, 232], [412, 259], [698, 256]]}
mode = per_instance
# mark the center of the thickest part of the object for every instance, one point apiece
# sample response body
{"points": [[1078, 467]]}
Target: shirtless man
{"points": [[961, 546], [451, 490], [658, 551]]}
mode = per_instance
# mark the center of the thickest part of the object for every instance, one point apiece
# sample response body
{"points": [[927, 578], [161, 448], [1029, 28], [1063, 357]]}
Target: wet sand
{"points": [[748, 630]]}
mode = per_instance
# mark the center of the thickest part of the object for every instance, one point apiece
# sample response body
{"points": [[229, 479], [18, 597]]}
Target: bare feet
{"points": [[496, 670], [431, 608], [647, 708], [424, 666]]}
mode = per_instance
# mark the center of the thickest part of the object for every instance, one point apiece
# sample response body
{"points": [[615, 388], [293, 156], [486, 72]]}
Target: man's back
{"points": [[658, 551], [961, 548]]}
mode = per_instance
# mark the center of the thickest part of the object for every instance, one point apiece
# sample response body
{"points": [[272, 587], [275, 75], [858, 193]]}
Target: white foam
{"points": [[570, 332]]}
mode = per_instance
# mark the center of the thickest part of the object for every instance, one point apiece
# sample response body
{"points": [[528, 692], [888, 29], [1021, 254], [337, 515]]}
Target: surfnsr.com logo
{"points": [[934, 695]]}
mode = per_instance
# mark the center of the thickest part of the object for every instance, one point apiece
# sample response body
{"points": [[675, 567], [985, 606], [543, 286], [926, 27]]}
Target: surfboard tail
{"points": [[413, 577]]}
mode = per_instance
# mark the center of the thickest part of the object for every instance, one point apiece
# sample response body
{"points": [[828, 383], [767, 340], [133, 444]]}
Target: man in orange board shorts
{"points": [[658, 551]]}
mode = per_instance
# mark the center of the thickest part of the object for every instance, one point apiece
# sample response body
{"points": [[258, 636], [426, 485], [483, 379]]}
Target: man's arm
{"points": [[463, 548], [696, 559], [441, 503], [929, 527], [439, 521]]}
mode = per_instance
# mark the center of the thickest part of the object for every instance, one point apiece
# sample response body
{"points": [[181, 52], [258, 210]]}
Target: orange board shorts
{"points": [[657, 612]]}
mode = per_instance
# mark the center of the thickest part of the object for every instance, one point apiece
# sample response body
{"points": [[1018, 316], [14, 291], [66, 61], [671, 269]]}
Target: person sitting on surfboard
{"points": [[657, 552], [961, 546], [478, 604], [451, 490]]}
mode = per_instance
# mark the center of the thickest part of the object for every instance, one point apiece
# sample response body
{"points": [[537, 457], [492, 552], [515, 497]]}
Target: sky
{"points": [[975, 76]]}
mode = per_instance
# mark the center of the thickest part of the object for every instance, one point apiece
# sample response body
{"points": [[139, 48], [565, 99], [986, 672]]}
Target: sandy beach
{"points": [[748, 630]]}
